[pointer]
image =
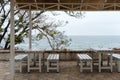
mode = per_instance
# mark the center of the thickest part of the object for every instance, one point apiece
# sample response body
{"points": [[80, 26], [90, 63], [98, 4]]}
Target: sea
{"points": [[77, 43]]}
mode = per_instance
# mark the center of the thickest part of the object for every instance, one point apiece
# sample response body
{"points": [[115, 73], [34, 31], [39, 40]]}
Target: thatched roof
{"points": [[84, 5]]}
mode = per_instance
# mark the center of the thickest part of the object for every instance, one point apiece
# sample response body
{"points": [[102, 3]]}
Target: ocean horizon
{"points": [[77, 43]]}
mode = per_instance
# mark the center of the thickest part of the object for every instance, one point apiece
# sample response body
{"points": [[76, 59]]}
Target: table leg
{"points": [[34, 59], [43, 58], [99, 62], [39, 62], [111, 60], [101, 59], [93, 59], [28, 63]]}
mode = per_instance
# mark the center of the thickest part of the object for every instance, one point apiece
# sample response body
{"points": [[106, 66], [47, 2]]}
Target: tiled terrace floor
{"points": [[68, 71]]}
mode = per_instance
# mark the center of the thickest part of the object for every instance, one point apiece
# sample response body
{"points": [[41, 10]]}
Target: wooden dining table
{"points": [[39, 52], [100, 53]]}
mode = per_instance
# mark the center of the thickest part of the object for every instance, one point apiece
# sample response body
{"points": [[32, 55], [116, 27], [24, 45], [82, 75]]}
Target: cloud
{"points": [[94, 23]]}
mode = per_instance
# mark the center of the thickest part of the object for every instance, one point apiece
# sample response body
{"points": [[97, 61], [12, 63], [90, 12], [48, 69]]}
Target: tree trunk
{"points": [[5, 31], [6, 45]]}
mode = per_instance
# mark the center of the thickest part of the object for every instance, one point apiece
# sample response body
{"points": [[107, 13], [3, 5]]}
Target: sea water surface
{"points": [[77, 43]]}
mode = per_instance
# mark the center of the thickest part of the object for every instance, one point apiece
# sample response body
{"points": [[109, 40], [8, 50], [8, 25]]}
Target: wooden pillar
{"points": [[30, 30], [12, 42], [30, 37]]}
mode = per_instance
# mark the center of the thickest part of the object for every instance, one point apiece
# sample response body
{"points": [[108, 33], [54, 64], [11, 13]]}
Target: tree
{"points": [[21, 23], [56, 39], [22, 26]]}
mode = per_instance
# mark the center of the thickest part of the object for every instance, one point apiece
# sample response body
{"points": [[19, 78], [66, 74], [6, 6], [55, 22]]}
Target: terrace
{"points": [[68, 68], [67, 71]]}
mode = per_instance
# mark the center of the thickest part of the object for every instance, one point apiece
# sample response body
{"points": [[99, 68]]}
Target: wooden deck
{"points": [[68, 71]]}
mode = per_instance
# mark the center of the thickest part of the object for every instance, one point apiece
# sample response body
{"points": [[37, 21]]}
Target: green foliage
{"points": [[56, 39], [76, 14], [26, 34], [61, 41], [52, 33], [1, 1], [1, 30], [39, 36], [18, 39]]}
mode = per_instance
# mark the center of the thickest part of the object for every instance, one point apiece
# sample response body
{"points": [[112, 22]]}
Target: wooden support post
{"points": [[12, 42]]}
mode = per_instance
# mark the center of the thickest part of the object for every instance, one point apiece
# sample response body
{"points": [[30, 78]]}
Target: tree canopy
{"points": [[56, 39]]}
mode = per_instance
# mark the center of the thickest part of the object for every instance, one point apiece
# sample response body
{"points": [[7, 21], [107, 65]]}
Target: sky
{"points": [[93, 23]]}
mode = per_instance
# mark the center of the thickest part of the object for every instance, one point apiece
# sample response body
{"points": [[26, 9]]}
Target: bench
{"points": [[117, 58], [20, 58], [81, 58], [53, 62]]}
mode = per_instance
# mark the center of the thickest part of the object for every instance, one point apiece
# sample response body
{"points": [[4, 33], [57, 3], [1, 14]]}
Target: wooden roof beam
{"points": [[58, 5], [58, 1], [36, 4], [105, 1]]}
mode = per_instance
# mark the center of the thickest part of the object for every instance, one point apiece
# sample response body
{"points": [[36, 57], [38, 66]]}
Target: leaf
{"points": [[40, 36]]}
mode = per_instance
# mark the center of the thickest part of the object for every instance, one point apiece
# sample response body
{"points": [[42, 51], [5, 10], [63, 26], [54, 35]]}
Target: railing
{"points": [[64, 54]]}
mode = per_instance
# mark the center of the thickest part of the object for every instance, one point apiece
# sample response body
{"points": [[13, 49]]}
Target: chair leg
{"points": [[47, 66], [111, 60], [21, 66], [57, 66], [78, 62], [39, 63], [81, 66], [91, 66], [28, 63]]}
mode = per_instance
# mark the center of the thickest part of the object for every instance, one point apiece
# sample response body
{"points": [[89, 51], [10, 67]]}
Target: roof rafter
{"points": [[36, 4], [84, 5]]}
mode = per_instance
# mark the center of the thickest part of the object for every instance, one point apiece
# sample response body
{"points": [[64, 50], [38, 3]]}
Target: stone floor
{"points": [[68, 71]]}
